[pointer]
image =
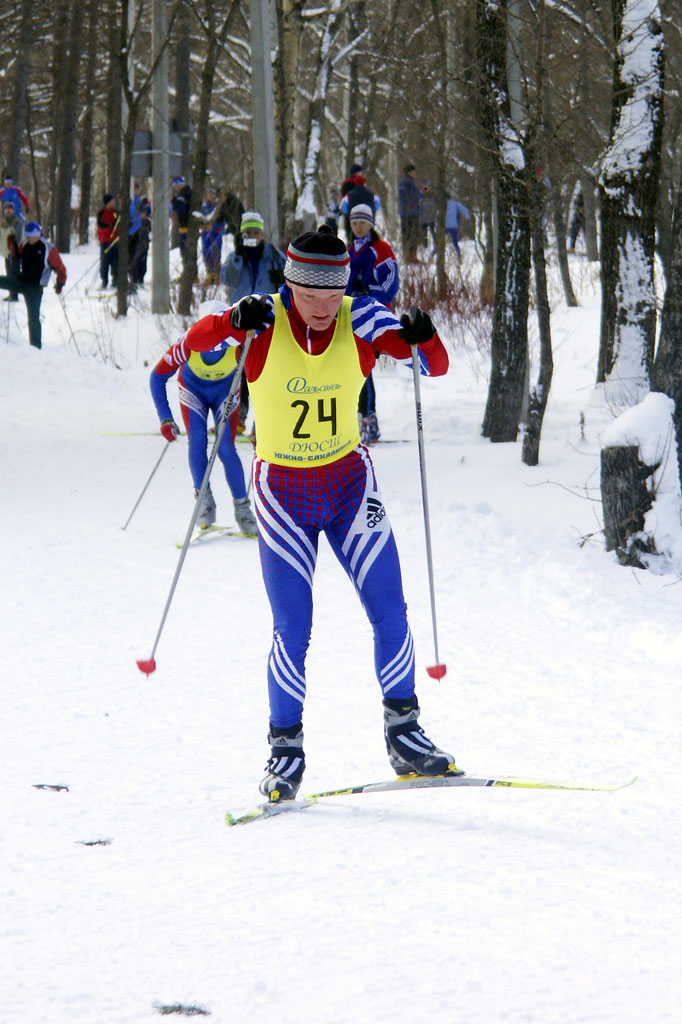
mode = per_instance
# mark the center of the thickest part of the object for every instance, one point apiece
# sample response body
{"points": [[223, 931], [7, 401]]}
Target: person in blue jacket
{"points": [[255, 267]]}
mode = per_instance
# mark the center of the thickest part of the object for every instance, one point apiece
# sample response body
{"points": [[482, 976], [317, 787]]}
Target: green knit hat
{"points": [[252, 219]]}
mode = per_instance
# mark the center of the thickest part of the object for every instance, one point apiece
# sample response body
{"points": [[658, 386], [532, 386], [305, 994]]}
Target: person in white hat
{"points": [[373, 271], [311, 350]]}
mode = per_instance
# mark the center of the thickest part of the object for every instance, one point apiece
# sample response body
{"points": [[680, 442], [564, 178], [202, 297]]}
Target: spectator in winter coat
{"points": [[11, 237], [373, 271], [311, 350], [134, 234], [37, 259], [12, 193], [230, 213], [454, 212], [180, 207], [255, 266], [211, 235], [360, 193], [408, 199], [107, 236], [138, 256], [355, 177], [427, 215]]}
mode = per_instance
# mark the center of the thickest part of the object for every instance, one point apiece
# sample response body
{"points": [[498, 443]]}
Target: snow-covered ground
{"points": [[125, 892]]}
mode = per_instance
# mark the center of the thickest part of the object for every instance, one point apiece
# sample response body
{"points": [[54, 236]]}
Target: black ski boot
{"points": [[285, 767], [410, 751], [206, 516]]}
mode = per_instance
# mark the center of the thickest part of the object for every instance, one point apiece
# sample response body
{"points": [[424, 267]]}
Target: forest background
{"points": [[511, 106]]}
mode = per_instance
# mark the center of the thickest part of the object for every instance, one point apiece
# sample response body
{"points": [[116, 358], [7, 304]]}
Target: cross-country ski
{"points": [[412, 782]]}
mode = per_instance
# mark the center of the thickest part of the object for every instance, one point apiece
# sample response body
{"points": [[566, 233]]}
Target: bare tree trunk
{"points": [[88, 122], [306, 212], [290, 30], [626, 499], [629, 188], [555, 177], [509, 348], [667, 371], [538, 126], [587, 184], [20, 87], [67, 140], [355, 14], [59, 56], [539, 393], [134, 101], [114, 118], [441, 138], [215, 41], [34, 169], [183, 87]]}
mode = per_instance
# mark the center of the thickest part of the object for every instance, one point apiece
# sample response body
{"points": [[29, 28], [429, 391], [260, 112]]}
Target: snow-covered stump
{"points": [[640, 487], [626, 499]]}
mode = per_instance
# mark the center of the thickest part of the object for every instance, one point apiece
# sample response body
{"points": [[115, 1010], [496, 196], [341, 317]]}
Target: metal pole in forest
{"points": [[160, 166], [263, 119]]}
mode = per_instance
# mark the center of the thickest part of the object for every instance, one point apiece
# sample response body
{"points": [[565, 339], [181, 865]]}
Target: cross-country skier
{"points": [[312, 350], [204, 381]]}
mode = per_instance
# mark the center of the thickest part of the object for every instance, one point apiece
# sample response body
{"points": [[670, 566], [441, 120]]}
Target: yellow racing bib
{"points": [[306, 406], [213, 371]]}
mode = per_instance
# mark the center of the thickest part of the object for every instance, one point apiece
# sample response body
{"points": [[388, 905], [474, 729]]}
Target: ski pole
{"points": [[158, 463], [438, 670], [148, 665], [68, 322], [89, 270]]}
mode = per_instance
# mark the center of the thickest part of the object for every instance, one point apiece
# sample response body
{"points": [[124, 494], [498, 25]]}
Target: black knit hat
{"points": [[318, 259], [107, 197]]}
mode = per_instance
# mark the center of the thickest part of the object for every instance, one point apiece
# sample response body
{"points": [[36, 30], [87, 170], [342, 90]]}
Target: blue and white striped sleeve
{"points": [[370, 319]]}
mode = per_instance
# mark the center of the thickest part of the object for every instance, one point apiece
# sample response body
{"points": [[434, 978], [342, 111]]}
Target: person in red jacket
{"points": [[107, 236], [37, 259], [312, 348]]}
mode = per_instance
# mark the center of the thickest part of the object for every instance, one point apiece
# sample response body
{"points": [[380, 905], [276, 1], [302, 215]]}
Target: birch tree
{"points": [[509, 345], [629, 187], [306, 207], [135, 94]]}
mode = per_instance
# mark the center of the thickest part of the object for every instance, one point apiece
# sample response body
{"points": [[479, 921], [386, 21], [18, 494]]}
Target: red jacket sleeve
{"points": [[207, 332], [55, 261]]}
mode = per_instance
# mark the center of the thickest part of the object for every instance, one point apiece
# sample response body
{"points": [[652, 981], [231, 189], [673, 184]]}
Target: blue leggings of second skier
{"points": [[196, 403]]}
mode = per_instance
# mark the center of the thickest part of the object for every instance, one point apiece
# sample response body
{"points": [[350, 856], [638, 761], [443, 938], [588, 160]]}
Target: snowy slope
{"points": [[446, 907]]}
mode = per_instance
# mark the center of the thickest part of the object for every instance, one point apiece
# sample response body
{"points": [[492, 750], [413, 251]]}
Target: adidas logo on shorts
{"points": [[375, 512]]}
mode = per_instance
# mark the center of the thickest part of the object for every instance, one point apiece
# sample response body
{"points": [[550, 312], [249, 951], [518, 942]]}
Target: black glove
{"points": [[252, 313], [416, 327], [358, 286], [58, 289], [239, 244]]}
